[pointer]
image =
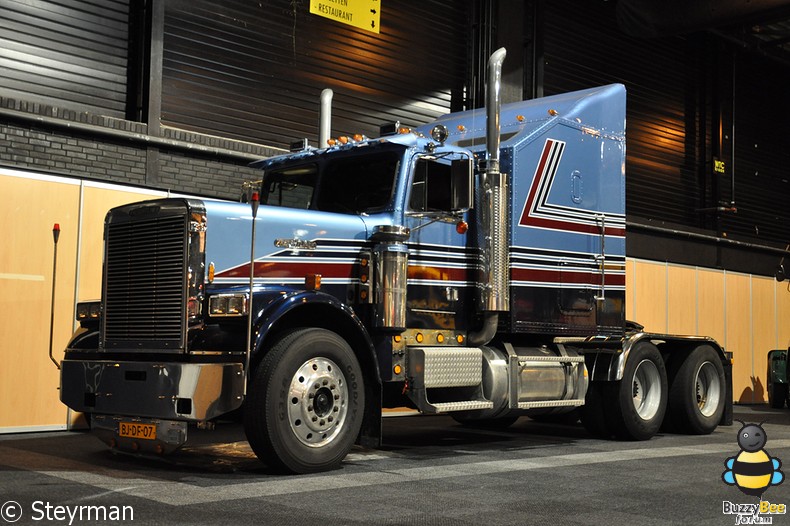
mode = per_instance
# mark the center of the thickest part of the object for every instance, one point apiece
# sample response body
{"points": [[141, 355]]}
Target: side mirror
{"points": [[781, 273], [461, 185]]}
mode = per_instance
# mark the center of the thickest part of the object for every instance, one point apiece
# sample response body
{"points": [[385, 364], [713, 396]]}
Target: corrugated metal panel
{"points": [[68, 53], [254, 70], [584, 48], [762, 152]]}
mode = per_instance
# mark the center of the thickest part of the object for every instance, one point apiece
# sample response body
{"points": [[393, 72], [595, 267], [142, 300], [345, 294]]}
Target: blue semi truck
{"points": [[473, 266]]}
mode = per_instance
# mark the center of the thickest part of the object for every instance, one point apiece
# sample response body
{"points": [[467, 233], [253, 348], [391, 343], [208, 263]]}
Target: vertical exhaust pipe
{"points": [[493, 105], [494, 192], [493, 214], [325, 118]]}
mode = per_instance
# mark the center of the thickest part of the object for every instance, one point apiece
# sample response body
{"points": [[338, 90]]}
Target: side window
{"points": [[291, 188]]}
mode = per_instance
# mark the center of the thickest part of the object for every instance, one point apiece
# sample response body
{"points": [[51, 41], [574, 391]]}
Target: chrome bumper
{"points": [[174, 391]]}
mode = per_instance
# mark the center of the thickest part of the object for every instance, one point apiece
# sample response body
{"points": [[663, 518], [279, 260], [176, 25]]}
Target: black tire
{"points": [[636, 405], [777, 395], [503, 422], [305, 402], [593, 416], [697, 392]]}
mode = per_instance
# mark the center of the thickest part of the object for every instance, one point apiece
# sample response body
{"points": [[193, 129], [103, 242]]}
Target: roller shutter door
{"points": [[69, 54], [584, 48], [254, 70]]}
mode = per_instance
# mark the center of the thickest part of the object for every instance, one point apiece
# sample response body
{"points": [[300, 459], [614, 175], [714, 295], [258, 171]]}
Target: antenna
{"points": [[55, 237], [254, 201]]}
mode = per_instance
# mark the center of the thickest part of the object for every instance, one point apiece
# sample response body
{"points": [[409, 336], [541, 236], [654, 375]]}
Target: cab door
{"points": [[441, 255]]}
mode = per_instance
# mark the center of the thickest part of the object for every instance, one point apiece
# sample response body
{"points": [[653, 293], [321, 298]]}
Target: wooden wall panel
{"points": [[97, 200], [782, 315], [681, 300], [650, 288], [738, 334], [630, 296], [763, 332], [28, 379], [711, 315]]}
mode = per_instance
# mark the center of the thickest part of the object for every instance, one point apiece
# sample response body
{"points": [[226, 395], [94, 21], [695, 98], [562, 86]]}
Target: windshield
{"points": [[346, 182]]}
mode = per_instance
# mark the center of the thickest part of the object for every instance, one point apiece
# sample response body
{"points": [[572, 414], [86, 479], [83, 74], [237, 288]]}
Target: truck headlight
{"points": [[227, 305]]}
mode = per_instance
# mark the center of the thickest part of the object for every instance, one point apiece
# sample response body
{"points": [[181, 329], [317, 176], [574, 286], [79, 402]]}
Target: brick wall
{"points": [[44, 138]]}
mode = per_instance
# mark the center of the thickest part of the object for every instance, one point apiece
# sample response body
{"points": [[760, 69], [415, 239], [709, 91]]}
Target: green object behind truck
{"points": [[778, 393]]}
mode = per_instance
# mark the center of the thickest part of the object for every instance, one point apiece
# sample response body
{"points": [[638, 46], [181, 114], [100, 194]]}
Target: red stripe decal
{"points": [[544, 175], [564, 276], [267, 269]]}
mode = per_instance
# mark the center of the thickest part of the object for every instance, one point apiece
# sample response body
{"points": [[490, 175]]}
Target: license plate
{"points": [[137, 430]]}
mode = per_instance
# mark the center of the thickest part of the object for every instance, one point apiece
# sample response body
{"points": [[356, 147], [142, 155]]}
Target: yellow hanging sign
{"points": [[364, 14]]}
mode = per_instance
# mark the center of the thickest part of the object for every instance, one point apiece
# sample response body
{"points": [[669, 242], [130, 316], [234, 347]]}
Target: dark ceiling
{"points": [[761, 26]]}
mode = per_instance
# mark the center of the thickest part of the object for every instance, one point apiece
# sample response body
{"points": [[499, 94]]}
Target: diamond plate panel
{"points": [[447, 367]]}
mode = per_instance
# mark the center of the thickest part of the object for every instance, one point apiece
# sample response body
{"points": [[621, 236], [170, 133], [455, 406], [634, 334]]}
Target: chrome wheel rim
{"points": [[646, 389], [707, 389], [317, 402]]}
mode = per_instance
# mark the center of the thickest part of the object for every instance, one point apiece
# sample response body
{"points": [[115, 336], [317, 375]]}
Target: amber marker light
{"points": [[461, 227], [359, 137], [553, 113], [342, 139], [312, 282], [403, 130], [363, 262], [440, 338], [331, 142], [419, 337], [520, 118], [461, 128], [397, 369], [460, 338], [211, 272], [397, 338]]}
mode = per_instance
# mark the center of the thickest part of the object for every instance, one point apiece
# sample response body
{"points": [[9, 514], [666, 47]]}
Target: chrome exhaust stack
{"points": [[325, 118], [494, 200], [493, 214]]}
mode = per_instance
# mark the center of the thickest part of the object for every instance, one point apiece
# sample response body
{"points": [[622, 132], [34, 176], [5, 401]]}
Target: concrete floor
{"points": [[431, 471]]}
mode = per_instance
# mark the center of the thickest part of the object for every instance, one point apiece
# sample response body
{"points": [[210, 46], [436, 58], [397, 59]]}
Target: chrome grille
{"points": [[145, 283]]}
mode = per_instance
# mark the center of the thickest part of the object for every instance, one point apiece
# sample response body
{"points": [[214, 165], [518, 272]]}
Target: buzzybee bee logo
{"points": [[753, 471]]}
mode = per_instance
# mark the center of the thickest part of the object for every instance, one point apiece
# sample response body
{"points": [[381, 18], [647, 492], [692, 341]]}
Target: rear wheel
{"points": [[305, 404], [697, 392], [638, 402]]}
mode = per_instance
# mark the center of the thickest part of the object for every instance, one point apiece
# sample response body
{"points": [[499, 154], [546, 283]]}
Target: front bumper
{"points": [[173, 391]]}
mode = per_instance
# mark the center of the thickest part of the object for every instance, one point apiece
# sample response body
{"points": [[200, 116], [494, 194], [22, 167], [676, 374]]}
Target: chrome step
{"points": [[552, 359], [449, 372], [469, 405], [551, 403]]}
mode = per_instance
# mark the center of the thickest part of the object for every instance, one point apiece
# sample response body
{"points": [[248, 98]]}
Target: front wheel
{"points": [[305, 403], [638, 402]]}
